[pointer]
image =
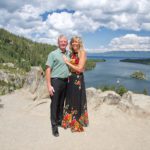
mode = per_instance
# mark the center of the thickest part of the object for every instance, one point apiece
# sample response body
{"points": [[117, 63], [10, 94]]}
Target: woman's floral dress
{"points": [[75, 112]]}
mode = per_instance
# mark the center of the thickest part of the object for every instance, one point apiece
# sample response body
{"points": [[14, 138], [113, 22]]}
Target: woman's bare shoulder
{"points": [[83, 52]]}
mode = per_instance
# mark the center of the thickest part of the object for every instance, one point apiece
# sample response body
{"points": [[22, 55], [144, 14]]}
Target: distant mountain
{"points": [[123, 54]]}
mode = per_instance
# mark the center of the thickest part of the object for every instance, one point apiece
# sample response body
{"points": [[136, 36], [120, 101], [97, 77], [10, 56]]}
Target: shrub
{"points": [[118, 89], [145, 92], [121, 90]]}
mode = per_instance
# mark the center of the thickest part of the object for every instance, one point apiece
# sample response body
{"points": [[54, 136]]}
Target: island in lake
{"points": [[138, 75]]}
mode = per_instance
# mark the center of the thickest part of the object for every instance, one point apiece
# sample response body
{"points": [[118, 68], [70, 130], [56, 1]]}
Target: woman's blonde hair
{"points": [[78, 39]]}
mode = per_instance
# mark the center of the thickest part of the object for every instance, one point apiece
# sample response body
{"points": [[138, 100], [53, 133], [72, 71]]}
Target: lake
{"points": [[114, 72]]}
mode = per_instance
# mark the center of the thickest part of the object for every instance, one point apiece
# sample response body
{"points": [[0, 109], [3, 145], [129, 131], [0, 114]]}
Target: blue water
{"points": [[111, 71]]}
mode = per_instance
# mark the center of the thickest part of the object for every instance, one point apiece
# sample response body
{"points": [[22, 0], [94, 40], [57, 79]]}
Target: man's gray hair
{"points": [[62, 36]]}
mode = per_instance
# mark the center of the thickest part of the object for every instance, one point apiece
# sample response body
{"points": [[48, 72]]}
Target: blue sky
{"points": [[104, 36], [103, 25]]}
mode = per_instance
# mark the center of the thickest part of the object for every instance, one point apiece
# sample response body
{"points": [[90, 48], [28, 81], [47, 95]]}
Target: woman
{"points": [[75, 112]]}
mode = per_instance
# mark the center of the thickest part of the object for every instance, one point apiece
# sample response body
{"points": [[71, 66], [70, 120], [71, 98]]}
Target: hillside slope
{"points": [[21, 51]]}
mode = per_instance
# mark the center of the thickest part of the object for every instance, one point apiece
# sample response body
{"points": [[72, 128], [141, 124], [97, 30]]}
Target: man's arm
{"points": [[48, 81]]}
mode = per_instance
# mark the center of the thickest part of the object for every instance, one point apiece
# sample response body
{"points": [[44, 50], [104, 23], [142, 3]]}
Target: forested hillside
{"points": [[22, 52]]}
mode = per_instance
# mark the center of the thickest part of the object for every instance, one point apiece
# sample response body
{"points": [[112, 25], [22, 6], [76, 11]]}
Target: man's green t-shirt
{"points": [[55, 61]]}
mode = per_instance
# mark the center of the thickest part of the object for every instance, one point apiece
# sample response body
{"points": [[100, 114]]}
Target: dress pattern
{"points": [[75, 111]]}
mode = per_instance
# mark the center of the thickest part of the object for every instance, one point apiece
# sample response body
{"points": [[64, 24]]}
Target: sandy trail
{"points": [[25, 127]]}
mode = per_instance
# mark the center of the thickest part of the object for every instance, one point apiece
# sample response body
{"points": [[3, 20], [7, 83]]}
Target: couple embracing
{"points": [[65, 83]]}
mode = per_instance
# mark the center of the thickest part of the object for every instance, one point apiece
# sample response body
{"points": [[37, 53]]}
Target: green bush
{"points": [[145, 92], [121, 90], [118, 89], [106, 88]]}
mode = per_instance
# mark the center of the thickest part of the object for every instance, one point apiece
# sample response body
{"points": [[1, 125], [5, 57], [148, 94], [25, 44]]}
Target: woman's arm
{"points": [[82, 60]]}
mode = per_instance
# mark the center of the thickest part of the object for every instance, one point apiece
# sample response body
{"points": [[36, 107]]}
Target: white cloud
{"points": [[61, 21], [76, 21], [23, 17], [28, 13], [128, 42], [121, 14], [131, 42], [145, 26]]}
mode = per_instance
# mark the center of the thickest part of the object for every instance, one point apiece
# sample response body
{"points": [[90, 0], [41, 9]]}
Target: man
{"points": [[57, 74]]}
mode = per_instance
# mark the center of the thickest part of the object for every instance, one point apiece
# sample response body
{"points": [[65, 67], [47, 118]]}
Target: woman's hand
{"points": [[65, 59]]}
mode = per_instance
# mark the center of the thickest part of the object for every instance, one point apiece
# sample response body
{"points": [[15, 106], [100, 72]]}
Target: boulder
{"points": [[35, 83], [10, 81], [136, 104], [93, 97], [42, 91], [90, 92], [110, 97], [33, 79], [126, 102]]}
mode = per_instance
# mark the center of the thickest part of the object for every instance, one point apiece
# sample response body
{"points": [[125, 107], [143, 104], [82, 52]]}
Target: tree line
{"points": [[23, 52]]}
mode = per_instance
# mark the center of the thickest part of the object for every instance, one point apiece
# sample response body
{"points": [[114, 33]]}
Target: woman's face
{"points": [[75, 45]]}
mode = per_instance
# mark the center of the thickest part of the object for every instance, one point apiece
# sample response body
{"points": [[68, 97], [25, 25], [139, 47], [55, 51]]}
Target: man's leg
{"points": [[61, 102], [54, 107]]}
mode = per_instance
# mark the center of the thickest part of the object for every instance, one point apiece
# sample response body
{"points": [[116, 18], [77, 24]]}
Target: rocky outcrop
{"points": [[110, 97], [137, 104], [93, 97], [33, 79], [42, 91], [35, 83], [134, 104], [10, 81]]}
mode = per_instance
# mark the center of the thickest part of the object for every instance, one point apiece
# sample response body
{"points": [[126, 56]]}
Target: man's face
{"points": [[62, 43]]}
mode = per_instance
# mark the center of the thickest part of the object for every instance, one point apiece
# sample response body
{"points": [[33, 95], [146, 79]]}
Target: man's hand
{"points": [[51, 90]]}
